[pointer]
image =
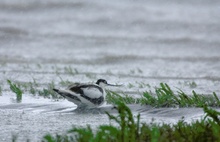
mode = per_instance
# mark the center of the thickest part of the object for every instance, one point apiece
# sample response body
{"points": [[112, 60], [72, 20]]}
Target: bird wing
{"points": [[91, 90], [73, 85]]}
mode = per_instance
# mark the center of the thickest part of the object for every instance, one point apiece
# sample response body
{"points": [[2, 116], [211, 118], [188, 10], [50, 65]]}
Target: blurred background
{"points": [[50, 43], [125, 42]]}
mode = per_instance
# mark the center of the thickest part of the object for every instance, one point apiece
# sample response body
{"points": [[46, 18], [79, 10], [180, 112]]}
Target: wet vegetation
{"points": [[165, 97], [34, 89], [130, 129], [14, 88]]}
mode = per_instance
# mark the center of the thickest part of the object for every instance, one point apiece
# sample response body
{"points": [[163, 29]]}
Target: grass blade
{"points": [[14, 88]]}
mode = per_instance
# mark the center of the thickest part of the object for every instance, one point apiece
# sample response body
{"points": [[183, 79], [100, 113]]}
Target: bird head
{"points": [[103, 83]]}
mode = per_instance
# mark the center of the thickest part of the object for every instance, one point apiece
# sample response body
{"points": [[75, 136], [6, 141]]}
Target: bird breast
{"points": [[93, 92]]}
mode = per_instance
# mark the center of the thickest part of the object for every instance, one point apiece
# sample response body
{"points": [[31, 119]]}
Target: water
{"points": [[126, 42]]}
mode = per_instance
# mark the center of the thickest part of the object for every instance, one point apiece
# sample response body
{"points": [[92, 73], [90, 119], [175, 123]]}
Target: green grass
{"points": [[65, 83], [71, 71], [130, 85], [34, 89], [14, 88], [130, 129], [143, 85], [191, 84], [48, 92], [113, 98], [165, 97]]}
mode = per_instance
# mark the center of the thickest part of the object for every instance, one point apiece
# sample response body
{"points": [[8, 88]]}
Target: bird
{"points": [[86, 95]]}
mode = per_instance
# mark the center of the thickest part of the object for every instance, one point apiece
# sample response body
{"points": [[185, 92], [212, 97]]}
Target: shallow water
{"points": [[137, 44], [35, 117]]}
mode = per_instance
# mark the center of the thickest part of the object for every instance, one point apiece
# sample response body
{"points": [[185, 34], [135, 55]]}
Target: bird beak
{"points": [[114, 85]]}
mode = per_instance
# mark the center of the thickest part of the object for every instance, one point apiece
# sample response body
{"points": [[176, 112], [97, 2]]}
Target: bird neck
{"points": [[102, 85]]}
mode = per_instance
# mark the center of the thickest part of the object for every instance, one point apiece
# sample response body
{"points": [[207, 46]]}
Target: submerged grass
{"points": [[34, 89], [165, 97], [129, 129], [14, 88], [48, 92], [71, 71]]}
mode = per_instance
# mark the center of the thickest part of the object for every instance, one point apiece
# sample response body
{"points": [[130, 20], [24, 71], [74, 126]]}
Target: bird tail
{"points": [[68, 95], [56, 90]]}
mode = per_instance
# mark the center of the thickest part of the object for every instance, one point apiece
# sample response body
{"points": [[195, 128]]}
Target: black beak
{"points": [[114, 85]]}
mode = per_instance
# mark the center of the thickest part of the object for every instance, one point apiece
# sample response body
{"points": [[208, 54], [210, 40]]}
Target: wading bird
{"points": [[86, 95]]}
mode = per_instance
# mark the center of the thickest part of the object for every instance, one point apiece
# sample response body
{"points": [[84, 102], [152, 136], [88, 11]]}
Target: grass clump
{"points": [[65, 82], [71, 71], [48, 92], [14, 88], [34, 89], [165, 97], [113, 98], [128, 128]]}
